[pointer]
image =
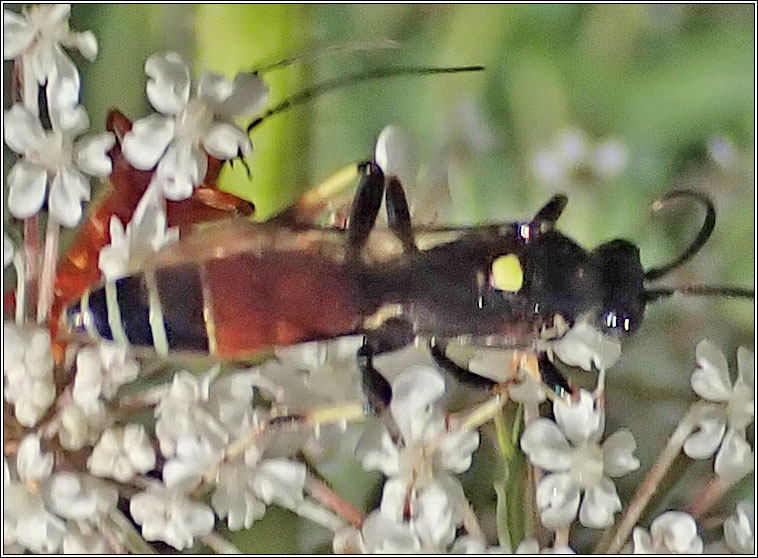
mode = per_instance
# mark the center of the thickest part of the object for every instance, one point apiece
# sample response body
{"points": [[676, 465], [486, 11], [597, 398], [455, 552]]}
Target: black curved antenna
{"points": [[700, 240], [652, 295], [353, 79]]}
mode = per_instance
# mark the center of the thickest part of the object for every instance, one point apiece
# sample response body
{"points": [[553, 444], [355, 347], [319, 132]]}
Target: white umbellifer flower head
{"points": [[26, 520], [179, 139], [79, 497], [585, 346], [145, 234], [170, 516], [121, 453], [673, 532], [28, 372], [426, 453], [722, 420], [78, 543], [52, 159], [100, 371], [739, 529], [569, 448]]}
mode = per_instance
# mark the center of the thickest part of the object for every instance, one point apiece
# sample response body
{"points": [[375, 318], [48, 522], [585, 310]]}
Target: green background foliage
{"points": [[664, 80]]}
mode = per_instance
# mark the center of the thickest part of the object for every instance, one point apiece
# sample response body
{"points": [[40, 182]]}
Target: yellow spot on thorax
{"points": [[507, 274]]}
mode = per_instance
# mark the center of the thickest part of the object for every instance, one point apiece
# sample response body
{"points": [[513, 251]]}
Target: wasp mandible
{"points": [[239, 288]]}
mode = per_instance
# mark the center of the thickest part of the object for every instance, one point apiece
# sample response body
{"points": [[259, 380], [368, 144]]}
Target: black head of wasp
{"points": [[239, 288]]}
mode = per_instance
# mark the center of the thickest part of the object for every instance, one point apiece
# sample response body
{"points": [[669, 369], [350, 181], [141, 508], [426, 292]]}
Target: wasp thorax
{"points": [[622, 289]]}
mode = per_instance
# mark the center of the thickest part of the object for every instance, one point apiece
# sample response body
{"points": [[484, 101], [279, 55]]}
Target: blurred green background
{"points": [[614, 105]]}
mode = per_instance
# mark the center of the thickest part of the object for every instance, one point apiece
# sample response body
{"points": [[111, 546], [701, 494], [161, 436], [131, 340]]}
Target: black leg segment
{"points": [[398, 214], [552, 378], [365, 208], [549, 214], [460, 373]]}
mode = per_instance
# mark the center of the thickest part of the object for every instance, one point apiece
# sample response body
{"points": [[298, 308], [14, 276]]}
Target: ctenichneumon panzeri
{"points": [[239, 288]]}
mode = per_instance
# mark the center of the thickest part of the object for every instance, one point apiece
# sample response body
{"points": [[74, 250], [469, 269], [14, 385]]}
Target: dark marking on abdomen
{"points": [[133, 302], [180, 291]]}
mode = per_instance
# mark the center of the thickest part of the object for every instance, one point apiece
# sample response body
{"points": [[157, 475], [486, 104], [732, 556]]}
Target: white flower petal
{"points": [[181, 169], [382, 535], [27, 184], [226, 141], [557, 498], [23, 130], [213, 89], [739, 529], [642, 542], [546, 445], [31, 463], [676, 532], [618, 450], [580, 420], [377, 451], [70, 499], [433, 520], [67, 191], [63, 87], [168, 88], [146, 142], [414, 393], [280, 481], [18, 34], [91, 154], [735, 459], [85, 42], [711, 379], [455, 451], [585, 346], [248, 96], [599, 505], [40, 532], [394, 496], [396, 155], [710, 428]]}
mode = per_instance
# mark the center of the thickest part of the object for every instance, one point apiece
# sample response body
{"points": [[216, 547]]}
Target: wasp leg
{"points": [[548, 215], [365, 208], [460, 373], [398, 214], [392, 335], [552, 378]]}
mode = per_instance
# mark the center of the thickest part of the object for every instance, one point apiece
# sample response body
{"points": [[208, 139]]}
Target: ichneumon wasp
{"points": [[240, 288]]}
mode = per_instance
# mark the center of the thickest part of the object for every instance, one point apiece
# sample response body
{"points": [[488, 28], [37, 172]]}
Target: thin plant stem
{"points": [[47, 276], [20, 266], [651, 483], [328, 498], [31, 260], [219, 544], [708, 497]]}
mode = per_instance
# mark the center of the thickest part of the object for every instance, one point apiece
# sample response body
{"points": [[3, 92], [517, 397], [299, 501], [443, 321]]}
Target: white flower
{"points": [[739, 529], [243, 490], [171, 517], [26, 520], [173, 140], [586, 347], [80, 543], [673, 532], [79, 427], [430, 529], [724, 418], [426, 453], [314, 374], [121, 453], [38, 34], [53, 160], [145, 234], [395, 154], [571, 153], [578, 464], [79, 497], [100, 372], [28, 372]]}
